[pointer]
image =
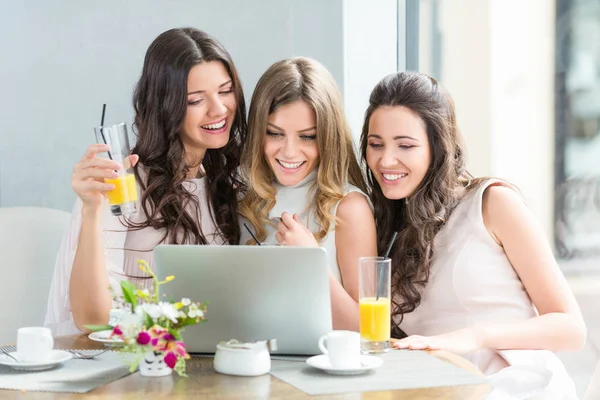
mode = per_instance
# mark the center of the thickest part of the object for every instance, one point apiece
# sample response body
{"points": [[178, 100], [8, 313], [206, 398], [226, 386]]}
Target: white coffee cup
{"points": [[343, 348], [34, 344]]}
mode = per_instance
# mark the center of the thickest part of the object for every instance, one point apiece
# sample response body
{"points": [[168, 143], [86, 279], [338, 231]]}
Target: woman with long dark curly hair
{"points": [[471, 270], [190, 121]]}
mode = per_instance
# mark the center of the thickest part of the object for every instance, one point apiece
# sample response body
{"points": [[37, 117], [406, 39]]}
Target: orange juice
{"points": [[125, 190], [374, 319]]}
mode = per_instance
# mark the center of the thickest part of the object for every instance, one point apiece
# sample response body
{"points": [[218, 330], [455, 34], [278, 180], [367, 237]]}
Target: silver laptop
{"points": [[253, 293]]}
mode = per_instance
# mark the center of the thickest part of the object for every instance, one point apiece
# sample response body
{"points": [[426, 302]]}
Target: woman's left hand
{"points": [[462, 341], [291, 232]]}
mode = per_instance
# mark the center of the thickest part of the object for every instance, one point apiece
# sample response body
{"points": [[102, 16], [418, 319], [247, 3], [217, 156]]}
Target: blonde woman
{"points": [[305, 186]]}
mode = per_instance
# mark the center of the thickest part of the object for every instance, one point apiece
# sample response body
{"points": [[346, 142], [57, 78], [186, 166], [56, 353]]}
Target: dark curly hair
{"points": [[160, 103], [418, 220]]}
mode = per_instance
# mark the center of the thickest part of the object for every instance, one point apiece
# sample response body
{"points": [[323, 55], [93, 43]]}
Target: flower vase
{"points": [[153, 365]]}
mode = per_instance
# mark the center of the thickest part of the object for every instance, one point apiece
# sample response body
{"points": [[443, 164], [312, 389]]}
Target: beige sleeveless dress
{"points": [[472, 282]]}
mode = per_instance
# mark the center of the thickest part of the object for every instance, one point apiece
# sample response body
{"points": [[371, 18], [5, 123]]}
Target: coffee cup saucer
{"points": [[56, 357], [367, 363]]}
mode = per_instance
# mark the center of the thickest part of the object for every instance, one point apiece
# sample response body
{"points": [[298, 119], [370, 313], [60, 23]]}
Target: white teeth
{"points": [[393, 177], [218, 125], [291, 165]]}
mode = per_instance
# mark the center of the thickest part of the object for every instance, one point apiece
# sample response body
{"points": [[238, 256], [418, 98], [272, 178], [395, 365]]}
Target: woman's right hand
{"points": [[89, 174]]}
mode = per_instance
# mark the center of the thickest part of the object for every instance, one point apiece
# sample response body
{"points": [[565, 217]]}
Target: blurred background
{"points": [[525, 77]]}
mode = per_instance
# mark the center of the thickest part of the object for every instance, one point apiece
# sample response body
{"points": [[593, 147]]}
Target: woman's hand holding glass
{"points": [[89, 174]]}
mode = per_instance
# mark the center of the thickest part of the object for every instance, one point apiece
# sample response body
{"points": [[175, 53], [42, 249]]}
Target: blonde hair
{"points": [[283, 83]]}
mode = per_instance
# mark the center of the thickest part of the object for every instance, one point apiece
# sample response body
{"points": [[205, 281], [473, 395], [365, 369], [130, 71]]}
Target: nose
{"points": [[289, 148], [216, 108], [388, 158]]}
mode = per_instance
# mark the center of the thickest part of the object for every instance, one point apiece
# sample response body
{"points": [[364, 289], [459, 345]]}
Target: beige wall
{"points": [[498, 63]]}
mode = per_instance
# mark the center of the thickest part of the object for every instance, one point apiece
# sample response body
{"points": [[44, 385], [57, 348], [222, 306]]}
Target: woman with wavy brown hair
{"points": [[471, 270], [305, 186], [190, 121]]}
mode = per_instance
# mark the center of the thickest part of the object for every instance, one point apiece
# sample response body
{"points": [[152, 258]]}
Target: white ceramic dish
{"points": [[104, 337], [56, 357], [367, 363]]}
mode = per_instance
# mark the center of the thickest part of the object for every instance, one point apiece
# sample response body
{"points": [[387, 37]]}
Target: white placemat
{"points": [[73, 376], [400, 370]]}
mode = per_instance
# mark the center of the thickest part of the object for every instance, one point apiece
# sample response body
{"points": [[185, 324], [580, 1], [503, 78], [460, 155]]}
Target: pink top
{"points": [[472, 282], [123, 247]]}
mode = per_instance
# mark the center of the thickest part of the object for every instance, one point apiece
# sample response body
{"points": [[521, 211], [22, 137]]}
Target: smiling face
{"points": [[398, 151], [211, 107], [290, 144]]}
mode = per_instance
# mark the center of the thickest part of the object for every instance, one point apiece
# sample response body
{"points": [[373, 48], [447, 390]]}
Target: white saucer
{"points": [[367, 363], [103, 337], [56, 357]]}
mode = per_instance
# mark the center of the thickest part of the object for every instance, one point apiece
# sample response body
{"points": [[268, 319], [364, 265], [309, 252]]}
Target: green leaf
{"points": [[98, 328], [175, 334], [129, 290], [148, 321]]}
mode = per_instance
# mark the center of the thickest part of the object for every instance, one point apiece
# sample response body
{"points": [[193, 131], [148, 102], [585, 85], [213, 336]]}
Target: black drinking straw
{"points": [[102, 128], [252, 234], [385, 255]]}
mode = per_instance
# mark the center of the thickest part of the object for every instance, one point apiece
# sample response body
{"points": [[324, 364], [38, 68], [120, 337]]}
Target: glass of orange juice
{"points": [[123, 198], [374, 287]]}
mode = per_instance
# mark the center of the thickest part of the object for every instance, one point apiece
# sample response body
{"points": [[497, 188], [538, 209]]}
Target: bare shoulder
{"points": [[502, 208], [354, 206]]}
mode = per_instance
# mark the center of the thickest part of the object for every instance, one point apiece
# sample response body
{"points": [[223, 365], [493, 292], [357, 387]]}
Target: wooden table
{"points": [[204, 383]]}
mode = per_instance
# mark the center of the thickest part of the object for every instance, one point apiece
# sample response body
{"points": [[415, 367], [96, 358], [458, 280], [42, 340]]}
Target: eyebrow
{"points": [[376, 136], [312, 128], [202, 91]]}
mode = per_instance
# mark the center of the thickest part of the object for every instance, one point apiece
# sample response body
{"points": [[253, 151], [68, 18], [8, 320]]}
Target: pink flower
{"points": [[170, 359], [178, 348], [117, 331], [143, 338]]}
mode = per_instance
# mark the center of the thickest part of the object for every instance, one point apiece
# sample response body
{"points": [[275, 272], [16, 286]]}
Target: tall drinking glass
{"points": [[122, 199], [374, 286]]}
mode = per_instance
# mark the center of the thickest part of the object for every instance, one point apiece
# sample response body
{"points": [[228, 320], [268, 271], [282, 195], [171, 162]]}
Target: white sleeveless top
{"points": [[123, 247], [296, 200], [472, 282]]}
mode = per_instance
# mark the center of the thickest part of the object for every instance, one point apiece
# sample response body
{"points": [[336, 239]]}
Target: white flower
{"points": [[181, 314], [153, 310], [169, 311], [130, 324], [196, 313], [185, 301]]}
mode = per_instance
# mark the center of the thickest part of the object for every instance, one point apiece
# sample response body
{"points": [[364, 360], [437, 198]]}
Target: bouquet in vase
{"points": [[151, 329]]}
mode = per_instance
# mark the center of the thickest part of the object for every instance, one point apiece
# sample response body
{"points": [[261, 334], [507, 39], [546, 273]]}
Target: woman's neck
{"points": [[193, 160]]}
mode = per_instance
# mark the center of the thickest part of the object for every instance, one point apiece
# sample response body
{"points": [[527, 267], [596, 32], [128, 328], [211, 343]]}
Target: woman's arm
{"points": [[90, 295], [559, 325], [355, 237]]}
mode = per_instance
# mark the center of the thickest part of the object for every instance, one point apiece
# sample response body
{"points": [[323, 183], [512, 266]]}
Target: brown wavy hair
{"points": [[283, 83], [418, 219], [160, 103]]}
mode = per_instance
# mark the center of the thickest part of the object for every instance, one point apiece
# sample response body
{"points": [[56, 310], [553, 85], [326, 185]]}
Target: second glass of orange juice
{"points": [[374, 281], [123, 198]]}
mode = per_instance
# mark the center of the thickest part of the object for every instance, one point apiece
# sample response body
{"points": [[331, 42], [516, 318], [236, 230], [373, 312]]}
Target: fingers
{"points": [[92, 186], [97, 174], [280, 238], [287, 220], [96, 163], [94, 149], [413, 343]]}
